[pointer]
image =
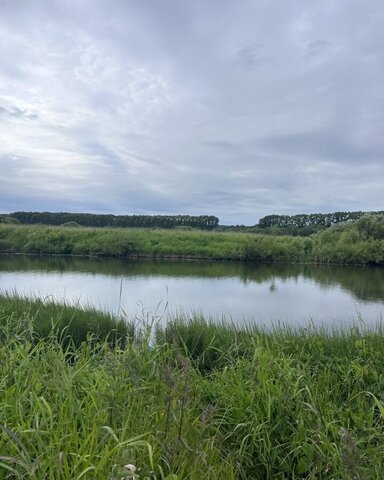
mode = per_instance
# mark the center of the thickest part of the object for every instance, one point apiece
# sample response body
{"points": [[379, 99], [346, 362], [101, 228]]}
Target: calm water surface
{"points": [[266, 294]]}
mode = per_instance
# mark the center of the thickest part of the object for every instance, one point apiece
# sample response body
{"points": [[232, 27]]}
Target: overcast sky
{"points": [[234, 108]]}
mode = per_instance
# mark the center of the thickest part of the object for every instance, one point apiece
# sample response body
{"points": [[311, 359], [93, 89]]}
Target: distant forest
{"points": [[303, 224], [307, 220], [203, 222]]}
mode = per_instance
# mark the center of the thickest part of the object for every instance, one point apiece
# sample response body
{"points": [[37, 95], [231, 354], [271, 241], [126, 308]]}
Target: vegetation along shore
{"points": [[88, 395], [192, 401], [359, 242]]}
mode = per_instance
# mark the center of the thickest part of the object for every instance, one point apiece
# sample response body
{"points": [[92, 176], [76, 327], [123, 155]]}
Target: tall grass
{"points": [[342, 244], [73, 325], [133, 243], [202, 401]]}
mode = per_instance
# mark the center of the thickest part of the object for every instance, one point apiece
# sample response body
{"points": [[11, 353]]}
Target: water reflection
{"points": [[364, 283], [266, 293]]}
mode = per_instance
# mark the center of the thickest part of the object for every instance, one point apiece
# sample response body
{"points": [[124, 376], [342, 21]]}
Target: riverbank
{"points": [[200, 401], [72, 325], [347, 244]]}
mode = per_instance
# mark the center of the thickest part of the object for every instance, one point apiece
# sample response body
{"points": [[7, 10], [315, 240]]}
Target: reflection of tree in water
{"points": [[364, 283], [272, 287]]}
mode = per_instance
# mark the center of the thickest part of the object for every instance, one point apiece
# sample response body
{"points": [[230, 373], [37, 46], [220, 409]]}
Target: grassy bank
{"points": [[71, 325], [356, 243], [149, 243], [202, 401]]}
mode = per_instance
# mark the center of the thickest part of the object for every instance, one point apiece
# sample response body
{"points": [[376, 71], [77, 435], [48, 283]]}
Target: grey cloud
{"points": [[319, 46], [335, 146], [223, 146], [237, 109], [15, 112], [252, 56]]}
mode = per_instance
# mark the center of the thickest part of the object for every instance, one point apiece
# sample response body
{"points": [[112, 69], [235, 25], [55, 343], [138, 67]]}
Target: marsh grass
{"points": [[341, 244], [134, 243], [71, 324], [198, 401]]}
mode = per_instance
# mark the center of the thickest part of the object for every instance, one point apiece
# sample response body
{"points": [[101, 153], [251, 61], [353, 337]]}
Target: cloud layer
{"points": [[235, 109]]}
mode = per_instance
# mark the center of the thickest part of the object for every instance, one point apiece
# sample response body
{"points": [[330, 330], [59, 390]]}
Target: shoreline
{"points": [[340, 246], [187, 259]]}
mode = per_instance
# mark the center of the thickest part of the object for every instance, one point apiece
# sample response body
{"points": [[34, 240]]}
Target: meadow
{"points": [[189, 400], [359, 242]]}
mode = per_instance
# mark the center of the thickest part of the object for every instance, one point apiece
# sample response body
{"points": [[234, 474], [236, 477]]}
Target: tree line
{"points": [[302, 224], [311, 220], [203, 222]]}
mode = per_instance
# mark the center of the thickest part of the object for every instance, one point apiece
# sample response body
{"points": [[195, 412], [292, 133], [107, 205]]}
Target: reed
{"points": [[341, 244], [196, 400], [136, 243], [72, 324]]}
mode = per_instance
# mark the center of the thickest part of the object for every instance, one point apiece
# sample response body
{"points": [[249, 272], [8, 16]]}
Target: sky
{"points": [[238, 109]]}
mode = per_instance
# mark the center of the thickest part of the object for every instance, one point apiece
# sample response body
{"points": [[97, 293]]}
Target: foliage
{"points": [[359, 242], [355, 242], [70, 224], [135, 243], [152, 243], [309, 220], [74, 325], [7, 219], [204, 222], [291, 230], [202, 401], [302, 225]]}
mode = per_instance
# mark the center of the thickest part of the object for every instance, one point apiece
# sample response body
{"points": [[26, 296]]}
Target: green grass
{"points": [[200, 401], [134, 243], [73, 325], [342, 244]]}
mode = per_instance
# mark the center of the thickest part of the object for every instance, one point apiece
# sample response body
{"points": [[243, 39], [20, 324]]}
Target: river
{"points": [[294, 295]]}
